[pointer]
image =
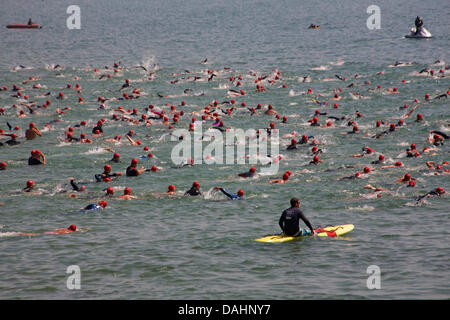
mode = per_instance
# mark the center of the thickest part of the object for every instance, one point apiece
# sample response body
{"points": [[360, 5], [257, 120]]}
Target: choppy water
{"points": [[202, 248]]}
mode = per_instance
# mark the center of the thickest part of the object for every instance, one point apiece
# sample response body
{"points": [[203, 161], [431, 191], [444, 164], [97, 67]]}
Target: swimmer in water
{"points": [[107, 174], [127, 194], [238, 196], [315, 160], [75, 187], [98, 128], [397, 164], [370, 187], [366, 150], [293, 145], [29, 187], [290, 221], [194, 190], [91, 207], [13, 141], [132, 171], [436, 192], [171, 190], [270, 111], [71, 228], [37, 157], [32, 132], [249, 174], [284, 179]]}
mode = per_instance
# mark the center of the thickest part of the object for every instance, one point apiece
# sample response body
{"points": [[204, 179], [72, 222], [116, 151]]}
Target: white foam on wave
{"points": [[362, 208], [337, 63], [97, 150], [321, 68]]}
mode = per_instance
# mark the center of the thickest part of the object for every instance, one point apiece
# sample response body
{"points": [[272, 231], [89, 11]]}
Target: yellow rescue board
{"points": [[332, 231]]}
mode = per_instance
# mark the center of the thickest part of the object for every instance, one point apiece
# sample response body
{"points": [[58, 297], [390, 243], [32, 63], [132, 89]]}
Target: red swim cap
{"points": [[107, 180], [381, 157], [103, 204], [196, 184], [398, 164], [72, 227], [30, 183], [286, 177], [439, 190], [127, 191], [240, 193], [407, 177], [366, 169], [134, 161], [109, 190], [3, 165], [107, 168], [171, 188], [316, 159], [116, 156], [154, 168], [294, 141], [252, 169], [413, 146], [411, 183]]}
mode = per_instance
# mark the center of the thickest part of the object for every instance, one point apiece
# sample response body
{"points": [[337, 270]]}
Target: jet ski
{"points": [[421, 34]]}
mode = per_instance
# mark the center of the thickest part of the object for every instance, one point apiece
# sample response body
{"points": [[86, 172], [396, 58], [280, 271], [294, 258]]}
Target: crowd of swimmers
{"points": [[216, 112]]}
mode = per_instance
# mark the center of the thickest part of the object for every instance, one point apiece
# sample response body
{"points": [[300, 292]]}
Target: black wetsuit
{"points": [[247, 174], [289, 221], [192, 192], [33, 161], [292, 147], [12, 142], [74, 186], [100, 177], [99, 128], [132, 172], [421, 199]]}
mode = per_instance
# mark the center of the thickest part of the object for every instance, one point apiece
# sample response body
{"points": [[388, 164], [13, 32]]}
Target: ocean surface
{"points": [[160, 247]]}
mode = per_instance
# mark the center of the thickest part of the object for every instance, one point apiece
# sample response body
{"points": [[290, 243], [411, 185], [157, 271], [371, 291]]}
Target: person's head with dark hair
{"points": [[295, 202]]}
